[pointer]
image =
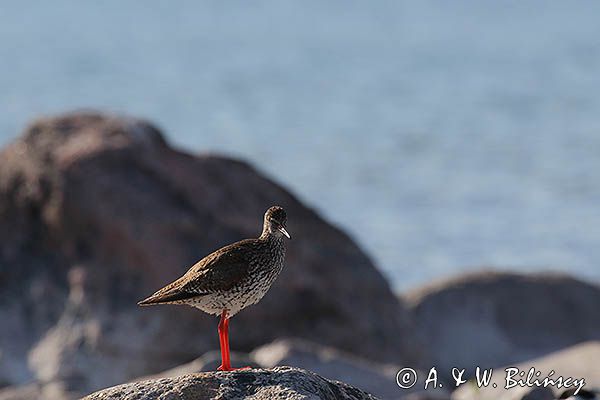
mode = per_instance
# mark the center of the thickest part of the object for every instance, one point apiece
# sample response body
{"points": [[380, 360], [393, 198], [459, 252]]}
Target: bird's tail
{"points": [[168, 295]]}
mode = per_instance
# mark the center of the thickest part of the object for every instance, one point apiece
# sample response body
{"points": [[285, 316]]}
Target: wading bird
{"points": [[231, 278]]}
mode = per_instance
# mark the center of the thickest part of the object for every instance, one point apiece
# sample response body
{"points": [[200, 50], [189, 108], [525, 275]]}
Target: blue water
{"points": [[444, 136]]}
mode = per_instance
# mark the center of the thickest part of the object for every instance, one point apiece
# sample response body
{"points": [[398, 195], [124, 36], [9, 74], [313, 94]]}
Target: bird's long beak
{"points": [[282, 230]]}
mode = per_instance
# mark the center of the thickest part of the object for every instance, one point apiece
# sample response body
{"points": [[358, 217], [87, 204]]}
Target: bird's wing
{"points": [[216, 272], [169, 294], [220, 270]]}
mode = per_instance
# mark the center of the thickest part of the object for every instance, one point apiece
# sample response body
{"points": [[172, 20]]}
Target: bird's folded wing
{"points": [[168, 294], [219, 271]]}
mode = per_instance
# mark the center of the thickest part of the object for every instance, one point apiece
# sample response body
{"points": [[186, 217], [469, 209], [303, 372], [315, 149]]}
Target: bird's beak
{"points": [[282, 230]]}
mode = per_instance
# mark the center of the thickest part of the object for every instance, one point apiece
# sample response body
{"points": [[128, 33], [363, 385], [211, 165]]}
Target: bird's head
{"points": [[275, 221]]}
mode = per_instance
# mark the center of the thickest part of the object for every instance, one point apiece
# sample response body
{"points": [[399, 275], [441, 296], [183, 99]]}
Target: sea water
{"points": [[443, 136]]}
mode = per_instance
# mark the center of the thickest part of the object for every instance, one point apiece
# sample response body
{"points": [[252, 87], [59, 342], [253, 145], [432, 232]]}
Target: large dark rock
{"points": [[491, 319], [267, 384], [97, 212]]}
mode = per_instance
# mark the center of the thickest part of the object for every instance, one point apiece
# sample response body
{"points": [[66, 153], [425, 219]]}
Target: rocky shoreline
{"points": [[97, 210]]}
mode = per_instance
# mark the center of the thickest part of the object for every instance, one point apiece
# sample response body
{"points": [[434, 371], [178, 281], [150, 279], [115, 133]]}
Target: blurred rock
{"points": [[380, 380], [583, 394], [375, 378], [267, 384], [580, 361], [38, 391], [428, 395], [491, 319], [540, 393], [97, 212], [25, 392]]}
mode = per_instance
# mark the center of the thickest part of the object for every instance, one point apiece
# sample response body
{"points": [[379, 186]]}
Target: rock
{"points": [[540, 393], [98, 211], [205, 363], [580, 361], [39, 391], [379, 380], [491, 319], [277, 383], [427, 395], [26, 392], [375, 378], [583, 394]]}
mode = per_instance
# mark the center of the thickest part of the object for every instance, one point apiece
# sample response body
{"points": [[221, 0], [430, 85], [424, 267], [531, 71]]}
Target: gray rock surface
{"points": [[374, 378], [491, 319], [98, 211], [580, 361], [266, 384]]}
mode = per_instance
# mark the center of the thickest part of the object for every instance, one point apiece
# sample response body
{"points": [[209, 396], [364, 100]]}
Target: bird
{"points": [[231, 278]]}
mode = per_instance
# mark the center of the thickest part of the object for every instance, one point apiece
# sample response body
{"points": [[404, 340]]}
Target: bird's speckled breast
{"points": [[265, 266]]}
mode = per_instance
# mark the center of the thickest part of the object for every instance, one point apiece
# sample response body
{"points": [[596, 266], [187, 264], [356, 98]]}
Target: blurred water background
{"points": [[444, 136]]}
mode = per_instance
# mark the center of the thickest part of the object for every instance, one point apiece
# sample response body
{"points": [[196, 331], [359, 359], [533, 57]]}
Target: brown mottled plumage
{"points": [[231, 278], [234, 276]]}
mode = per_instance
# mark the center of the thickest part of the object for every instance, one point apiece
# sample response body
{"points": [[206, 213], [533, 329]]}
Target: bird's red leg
{"points": [[224, 342]]}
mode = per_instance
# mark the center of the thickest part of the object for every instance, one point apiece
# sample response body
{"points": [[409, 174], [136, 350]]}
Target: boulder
{"points": [[207, 362], [266, 384], [98, 211], [374, 378], [26, 392], [580, 361], [540, 393], [331, 363], [490, 319], [427, 395]]}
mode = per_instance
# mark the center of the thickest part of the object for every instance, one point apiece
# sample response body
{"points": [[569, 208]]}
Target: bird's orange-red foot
{"points": [[221, 368]]}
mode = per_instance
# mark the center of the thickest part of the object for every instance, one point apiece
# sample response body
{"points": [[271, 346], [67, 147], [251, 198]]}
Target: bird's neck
{"points": [[270, 237], [265, 231]]}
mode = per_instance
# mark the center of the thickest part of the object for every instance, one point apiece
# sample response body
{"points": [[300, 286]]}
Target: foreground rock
{"points": [[493, 319], [97, 212], [374, 378], [581, 361], [266, 384]]}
